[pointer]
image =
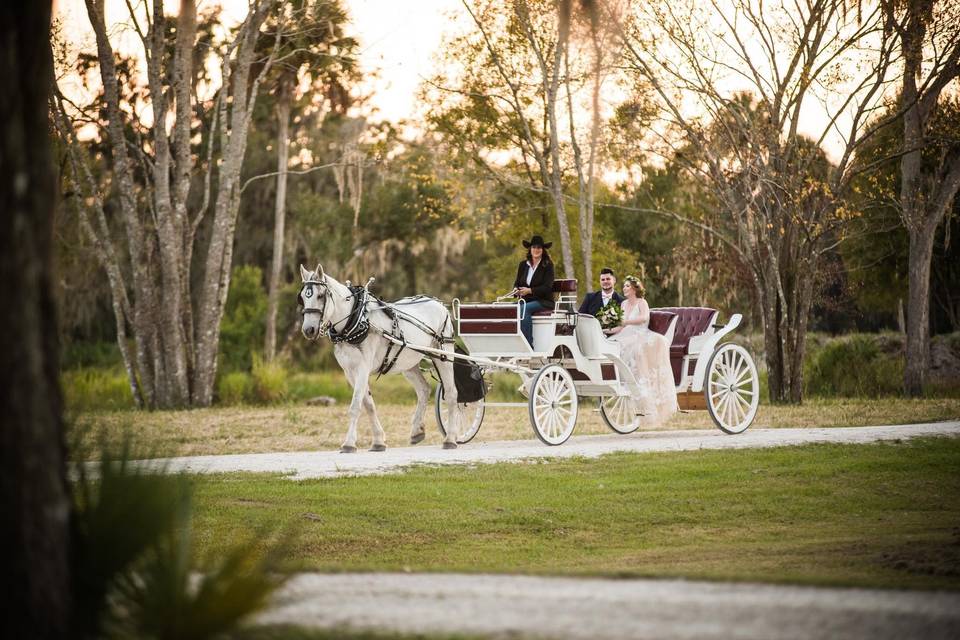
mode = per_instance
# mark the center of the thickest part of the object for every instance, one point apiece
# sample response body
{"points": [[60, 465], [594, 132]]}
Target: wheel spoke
{"points": [[555, 387], [724, 414], [743, 372], [744, 404], [548, 387], [727, 409], [731, 411], [738, 411], [622, 409], [541, 413]]}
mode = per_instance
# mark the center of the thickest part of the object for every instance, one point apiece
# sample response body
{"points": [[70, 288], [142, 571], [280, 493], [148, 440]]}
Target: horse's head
{"points": [[314, 296]]}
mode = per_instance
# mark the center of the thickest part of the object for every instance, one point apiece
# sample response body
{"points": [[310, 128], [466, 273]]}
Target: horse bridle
{"points": [[321, 286]]}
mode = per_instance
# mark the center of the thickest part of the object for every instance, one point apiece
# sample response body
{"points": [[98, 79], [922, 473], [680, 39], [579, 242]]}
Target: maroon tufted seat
{"points": [[567, 288], [660, 321], [691, 321]]}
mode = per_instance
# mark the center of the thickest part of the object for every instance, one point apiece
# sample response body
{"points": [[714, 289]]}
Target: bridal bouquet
{"points": [[610, 315]]}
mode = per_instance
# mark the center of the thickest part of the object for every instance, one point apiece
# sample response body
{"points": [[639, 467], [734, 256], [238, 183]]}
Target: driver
{"points": [[534, 282]]}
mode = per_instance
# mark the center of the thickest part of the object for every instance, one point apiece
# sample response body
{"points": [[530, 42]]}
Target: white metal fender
{"points": [[707, 348]]}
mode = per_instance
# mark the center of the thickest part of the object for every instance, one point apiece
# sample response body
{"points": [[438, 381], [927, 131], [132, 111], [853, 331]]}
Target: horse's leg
{"points": [[445, 369], [379, 440], [422, 387], [359, 378]]}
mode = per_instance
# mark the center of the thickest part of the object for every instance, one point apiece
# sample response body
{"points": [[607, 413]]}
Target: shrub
{"points": [[269, 381], [854, 367], [234, 388], [134, 573], [244, 319], [90, 354], [96, 390]]}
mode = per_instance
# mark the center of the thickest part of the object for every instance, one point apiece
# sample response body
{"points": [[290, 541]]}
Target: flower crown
{"points": [[636, 284]]}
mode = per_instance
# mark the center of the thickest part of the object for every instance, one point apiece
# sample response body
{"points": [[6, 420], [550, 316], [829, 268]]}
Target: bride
{"points": [[647, 354]]}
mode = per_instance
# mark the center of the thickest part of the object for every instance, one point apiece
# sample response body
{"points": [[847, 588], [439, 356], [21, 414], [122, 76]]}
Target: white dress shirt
{"points": [[530, 270]]}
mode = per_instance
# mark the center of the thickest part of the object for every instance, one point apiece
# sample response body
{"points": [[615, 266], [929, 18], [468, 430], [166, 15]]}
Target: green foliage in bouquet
{"points": [[610, 316]]}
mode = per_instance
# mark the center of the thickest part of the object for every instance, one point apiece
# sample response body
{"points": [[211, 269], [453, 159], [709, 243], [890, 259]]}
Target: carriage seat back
{"points": [[566, 297], [691, 322], [591, 340], [664, 323]]}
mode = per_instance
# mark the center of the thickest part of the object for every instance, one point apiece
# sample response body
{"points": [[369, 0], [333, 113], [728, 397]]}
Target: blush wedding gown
{"points": [[647, 354]]}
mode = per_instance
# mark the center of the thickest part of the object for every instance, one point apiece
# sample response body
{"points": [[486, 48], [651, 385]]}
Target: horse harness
{"points": [[357, 325]]}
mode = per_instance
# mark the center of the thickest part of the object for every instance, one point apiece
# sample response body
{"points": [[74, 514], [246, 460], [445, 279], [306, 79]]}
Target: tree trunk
{"points": [[34, 503], [784, 334], [918, 309], [773, 345], [216, 275], [144, 294], [924, 198], [280, 213]]}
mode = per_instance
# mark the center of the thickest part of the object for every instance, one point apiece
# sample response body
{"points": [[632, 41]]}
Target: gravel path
{"points": [[324, 464], [528, 606]]}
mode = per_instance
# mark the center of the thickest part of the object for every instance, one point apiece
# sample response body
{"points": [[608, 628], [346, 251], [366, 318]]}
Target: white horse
{"points": [[327, 306]]}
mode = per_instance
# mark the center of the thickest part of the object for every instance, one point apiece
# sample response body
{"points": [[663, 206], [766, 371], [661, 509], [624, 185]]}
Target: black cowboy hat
{"points": [[537, 241]]}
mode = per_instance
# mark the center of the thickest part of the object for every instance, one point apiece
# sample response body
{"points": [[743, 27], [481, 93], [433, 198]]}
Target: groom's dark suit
{"points": [[593, 302]]}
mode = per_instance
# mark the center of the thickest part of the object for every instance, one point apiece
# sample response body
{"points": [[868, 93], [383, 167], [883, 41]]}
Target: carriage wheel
{"points": [[472, 411], [732, 388], [553, 405], [619, 414]]}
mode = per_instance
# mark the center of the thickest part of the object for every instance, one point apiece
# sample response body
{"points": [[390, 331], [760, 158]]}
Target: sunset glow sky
{"points": [[397, 39]]}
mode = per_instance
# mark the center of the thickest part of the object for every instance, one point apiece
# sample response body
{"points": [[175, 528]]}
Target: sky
{"points": [[400, 38], [397, 38], [398, 42]]}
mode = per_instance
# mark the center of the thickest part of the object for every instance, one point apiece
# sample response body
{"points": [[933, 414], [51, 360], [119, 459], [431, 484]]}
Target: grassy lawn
{"points": [[293, 427], [880, 515]]}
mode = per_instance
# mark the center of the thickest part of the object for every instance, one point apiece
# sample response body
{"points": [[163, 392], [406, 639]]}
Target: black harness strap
{"points": [[396, 332], [358, 323]]}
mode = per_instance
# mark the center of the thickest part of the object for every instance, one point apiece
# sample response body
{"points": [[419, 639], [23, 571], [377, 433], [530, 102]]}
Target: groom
{"points": [[599, 299]]}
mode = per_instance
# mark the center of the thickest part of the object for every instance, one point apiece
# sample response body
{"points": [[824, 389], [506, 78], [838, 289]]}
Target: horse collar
{"points": [[357, 324]]}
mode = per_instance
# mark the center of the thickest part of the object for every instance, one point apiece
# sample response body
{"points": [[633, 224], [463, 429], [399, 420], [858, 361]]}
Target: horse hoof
{"points": [[417, 439], [378, 447], [346, 449], [449, 445]]}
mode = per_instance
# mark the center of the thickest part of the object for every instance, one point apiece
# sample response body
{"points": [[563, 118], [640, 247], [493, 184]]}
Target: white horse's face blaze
{"points": [[313, 301]]}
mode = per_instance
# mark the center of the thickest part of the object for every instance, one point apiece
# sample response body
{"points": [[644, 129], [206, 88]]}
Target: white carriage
{"points": [[573, 360]]}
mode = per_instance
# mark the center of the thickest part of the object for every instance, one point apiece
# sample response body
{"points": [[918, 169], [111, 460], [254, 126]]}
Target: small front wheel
{"points": [[553, 405], [619, 414], [472, 413], [732, 388]]}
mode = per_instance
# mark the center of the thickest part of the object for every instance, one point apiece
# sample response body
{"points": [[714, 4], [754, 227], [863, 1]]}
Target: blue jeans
{"points": [[526, 323]]}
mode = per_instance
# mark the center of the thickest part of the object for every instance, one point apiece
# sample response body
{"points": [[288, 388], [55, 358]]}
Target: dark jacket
{"points": [[541, 283], [593, 302]]}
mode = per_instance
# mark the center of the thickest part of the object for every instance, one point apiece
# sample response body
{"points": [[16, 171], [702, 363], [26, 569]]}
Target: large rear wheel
{"points": [[732, 388], [553, 405], [471, 413]]}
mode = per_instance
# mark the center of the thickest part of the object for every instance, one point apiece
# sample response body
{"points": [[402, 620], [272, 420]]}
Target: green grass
{"points": [[882, 515]]}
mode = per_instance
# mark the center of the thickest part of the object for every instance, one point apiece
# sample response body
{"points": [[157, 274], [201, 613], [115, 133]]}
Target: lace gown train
{"points": [[647, 354]]}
